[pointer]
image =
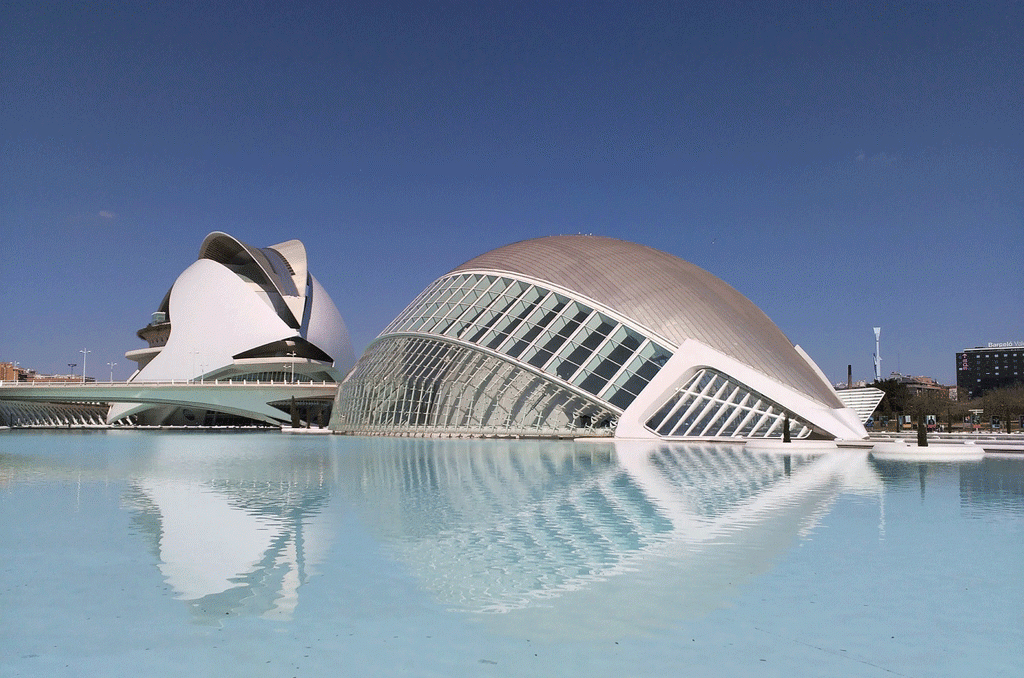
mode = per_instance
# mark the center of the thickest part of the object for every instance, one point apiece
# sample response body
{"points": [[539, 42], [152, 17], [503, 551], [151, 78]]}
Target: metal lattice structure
{"points": [[480, 354], [711, 405]]}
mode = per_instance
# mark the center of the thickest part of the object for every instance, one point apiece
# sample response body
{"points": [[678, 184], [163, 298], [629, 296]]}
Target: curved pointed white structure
{"points": [[587, 336], [240, 313]]}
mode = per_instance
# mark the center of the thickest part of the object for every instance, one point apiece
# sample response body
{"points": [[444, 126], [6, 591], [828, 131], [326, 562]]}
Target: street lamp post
{"points": [[85, 354], [292, 356], [72, 366], [111, 366]]}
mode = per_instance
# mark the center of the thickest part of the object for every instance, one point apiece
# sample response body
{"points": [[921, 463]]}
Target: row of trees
{"points": [[1005, 403]]}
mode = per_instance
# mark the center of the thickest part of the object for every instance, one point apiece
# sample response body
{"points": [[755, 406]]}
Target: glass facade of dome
{"points": [[486, 353]]}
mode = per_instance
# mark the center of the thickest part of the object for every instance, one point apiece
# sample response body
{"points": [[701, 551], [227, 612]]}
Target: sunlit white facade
{"points": [[239, 313], [572, 336]]}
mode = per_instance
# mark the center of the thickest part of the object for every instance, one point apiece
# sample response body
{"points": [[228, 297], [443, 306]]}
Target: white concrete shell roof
{"points": [[237, 310], [670, 298], [283, 265]]}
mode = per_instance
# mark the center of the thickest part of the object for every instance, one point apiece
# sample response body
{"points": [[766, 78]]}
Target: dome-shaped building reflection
{"points": [[560, 538], [233, 533]]}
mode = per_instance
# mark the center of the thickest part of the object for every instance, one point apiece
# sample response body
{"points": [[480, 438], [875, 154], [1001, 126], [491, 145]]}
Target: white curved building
{"points": [[239, 313], [587, 336]]}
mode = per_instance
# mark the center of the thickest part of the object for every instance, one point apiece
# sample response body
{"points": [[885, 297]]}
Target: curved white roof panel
{"points": [[266, 267]]}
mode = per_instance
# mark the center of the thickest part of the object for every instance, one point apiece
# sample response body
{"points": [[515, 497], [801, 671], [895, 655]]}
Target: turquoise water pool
{"points": [[262, 554]]}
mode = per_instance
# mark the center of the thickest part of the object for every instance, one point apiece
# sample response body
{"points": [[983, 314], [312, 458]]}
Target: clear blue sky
{"points": [[843, 165]]}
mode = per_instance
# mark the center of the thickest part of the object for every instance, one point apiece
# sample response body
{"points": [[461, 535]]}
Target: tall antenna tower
{"points": [[878, 356]]}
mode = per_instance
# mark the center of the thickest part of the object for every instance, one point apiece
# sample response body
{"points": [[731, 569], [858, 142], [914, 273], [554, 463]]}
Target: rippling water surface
{"points": [[264, 554]]}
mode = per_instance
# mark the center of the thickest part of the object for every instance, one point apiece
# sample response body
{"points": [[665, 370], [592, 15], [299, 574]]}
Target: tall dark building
{"points": [[979, 370]]}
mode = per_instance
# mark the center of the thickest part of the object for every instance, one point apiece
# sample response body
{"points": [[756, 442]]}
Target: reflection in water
{"points": [[567, 546], [533, 536], [233, 534], [572, 538], [996, 482]]}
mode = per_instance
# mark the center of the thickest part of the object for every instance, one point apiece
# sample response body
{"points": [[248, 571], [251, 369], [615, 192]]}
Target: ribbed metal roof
{"points": [[664, 294]]}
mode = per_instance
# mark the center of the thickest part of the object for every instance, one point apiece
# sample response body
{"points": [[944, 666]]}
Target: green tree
{"points": [[937, 403], [894, 402], [1006, 403]]}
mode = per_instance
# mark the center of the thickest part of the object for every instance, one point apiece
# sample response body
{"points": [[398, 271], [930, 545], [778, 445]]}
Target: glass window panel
{"points": [[597, 371], [592, 382], [673, 420], [628, 338], [523, 310], [553, 302], [503, 326], [573, 344], [438, 311], [624, 376], [534, 294], [487, 298], [542, 312], [611, 352], [524, 339], [445, 324], [429, 324], [429, 309], [500, 284], [706, 377], [516, 346], [712, 413], [538, 357], [417, 323], [762, 426], [514, 289], [567, 367], [621, 398], [594, 331], [647, 370], [455, 294], [460, 310], [493, 321], [495, 339], [455, 328], [444, 295], [606, 368], [464, 310], [574, 315], [481, 326], [482, 282], [549, 342], [539, 319], [734, 420]]}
